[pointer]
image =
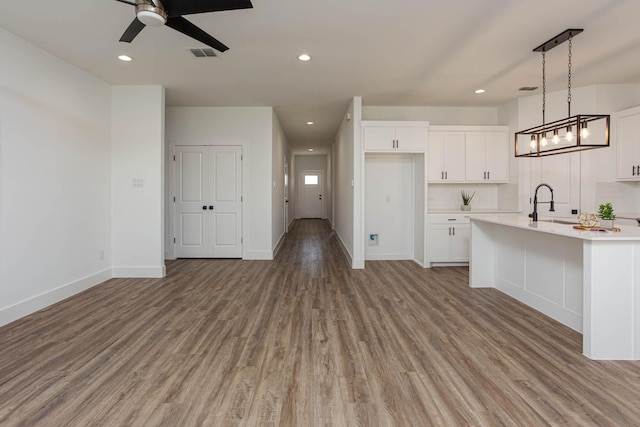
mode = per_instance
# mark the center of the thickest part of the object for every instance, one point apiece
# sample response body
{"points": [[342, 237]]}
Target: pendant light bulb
{"points": [[556, 138], [543, 141], [533, 142], [584, 131], [569, 135]]}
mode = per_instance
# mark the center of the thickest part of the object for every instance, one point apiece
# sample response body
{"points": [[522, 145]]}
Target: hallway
{"points": [[303, 341]]}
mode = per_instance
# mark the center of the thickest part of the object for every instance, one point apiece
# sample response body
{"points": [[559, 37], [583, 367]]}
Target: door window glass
{"points": [[311, 180]]}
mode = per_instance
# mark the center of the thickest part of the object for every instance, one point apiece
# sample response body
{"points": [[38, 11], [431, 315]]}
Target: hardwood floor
{"points": [[304, 341]]}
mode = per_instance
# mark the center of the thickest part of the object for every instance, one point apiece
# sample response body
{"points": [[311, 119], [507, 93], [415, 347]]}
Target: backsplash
{"points": [[625, 196], [488, 196]]}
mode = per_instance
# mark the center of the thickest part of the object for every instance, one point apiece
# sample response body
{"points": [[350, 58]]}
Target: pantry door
{"points": [[208, 201]]}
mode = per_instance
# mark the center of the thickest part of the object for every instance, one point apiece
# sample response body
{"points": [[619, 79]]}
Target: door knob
{"points": [[204, 208], [210, 207]]}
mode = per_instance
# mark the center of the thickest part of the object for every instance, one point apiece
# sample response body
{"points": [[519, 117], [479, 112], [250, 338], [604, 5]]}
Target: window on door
{"points": [[311, 180]]}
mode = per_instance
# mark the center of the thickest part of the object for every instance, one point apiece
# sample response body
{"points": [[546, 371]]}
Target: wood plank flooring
{"points": [[304, 341]]}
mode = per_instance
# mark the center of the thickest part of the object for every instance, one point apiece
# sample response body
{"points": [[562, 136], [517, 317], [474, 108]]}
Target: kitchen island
{"points": [[587, 280]]}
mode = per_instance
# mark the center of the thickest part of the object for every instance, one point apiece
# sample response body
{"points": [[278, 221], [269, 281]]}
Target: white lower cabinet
{"points": [[448, 238]]}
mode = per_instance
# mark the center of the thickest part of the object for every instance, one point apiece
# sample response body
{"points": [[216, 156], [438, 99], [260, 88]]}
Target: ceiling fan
{"points": [[169, 13]]}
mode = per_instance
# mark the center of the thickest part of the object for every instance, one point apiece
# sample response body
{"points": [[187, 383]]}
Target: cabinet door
{"points": [[460, 243], [497, 156], [454, 157], [440, 243], [435, 154], [379, 138], [475, 156], [628, 148], [411, 138]]}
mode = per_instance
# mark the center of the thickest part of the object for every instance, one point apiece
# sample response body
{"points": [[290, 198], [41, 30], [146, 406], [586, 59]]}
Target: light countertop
{"points": [[474, 211], [567, 230]]}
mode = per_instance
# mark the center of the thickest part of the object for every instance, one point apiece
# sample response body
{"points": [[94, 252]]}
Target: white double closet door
{"points": [[208, 205]]}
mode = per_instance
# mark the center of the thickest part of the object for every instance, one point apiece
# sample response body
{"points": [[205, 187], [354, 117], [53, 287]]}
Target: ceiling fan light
{"points": [[151, 18]]}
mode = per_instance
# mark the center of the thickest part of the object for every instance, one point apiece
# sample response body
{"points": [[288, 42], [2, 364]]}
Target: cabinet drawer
{"points": [[448, 219]]}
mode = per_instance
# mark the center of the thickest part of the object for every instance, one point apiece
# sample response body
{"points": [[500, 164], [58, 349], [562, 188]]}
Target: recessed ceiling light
{"points": [[304, 57], [479, 91], [125, 58], [309, 123], [310, 149]]}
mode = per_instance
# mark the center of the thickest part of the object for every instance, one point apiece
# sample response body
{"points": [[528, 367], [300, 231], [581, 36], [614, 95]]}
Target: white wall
{"points": [[137, 167], [389, 206], [279, 145], [347, 206], [54, 179], [250, 127]]}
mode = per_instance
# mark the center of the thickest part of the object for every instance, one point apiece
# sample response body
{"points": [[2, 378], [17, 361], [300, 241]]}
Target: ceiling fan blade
{"points": [[187, 28], [190, 7], [127, 2], [132, 31]]}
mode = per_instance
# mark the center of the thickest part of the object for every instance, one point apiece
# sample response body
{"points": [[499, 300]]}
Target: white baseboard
{"points": [[278, 245], [31, 305], [388, 257], [140, 272], [345, 251]]}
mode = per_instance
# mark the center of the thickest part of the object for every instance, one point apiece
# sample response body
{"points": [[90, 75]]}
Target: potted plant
{"points": [[466, 200], [605, 213]]}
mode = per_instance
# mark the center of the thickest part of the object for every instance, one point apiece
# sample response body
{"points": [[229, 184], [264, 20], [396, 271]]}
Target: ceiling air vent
{"points": [[203, 53], [528, 88]]}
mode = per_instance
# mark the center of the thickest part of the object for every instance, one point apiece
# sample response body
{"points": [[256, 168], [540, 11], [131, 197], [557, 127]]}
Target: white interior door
{"points": [[225, 195], [208, 202], [191, 209], [311, 192]]}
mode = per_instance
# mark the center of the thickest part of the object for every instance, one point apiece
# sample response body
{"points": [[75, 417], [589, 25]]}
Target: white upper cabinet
{"points": [[446, 157], [627, 142], [486, 156], [394, 136], [468, 154]]}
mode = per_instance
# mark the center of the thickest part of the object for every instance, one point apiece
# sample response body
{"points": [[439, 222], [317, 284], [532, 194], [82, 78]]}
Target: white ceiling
{"points": [[390, 52]]}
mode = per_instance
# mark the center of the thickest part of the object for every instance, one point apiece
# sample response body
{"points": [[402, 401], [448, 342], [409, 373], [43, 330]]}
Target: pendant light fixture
{"points": [[575, 133]]}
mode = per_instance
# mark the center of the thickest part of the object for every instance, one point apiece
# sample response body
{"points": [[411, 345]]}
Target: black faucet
{"points": [[534, 214]]}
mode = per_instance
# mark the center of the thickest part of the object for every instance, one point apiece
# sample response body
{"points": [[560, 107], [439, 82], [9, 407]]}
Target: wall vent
{"points": [[203, 52], [528, 88]]}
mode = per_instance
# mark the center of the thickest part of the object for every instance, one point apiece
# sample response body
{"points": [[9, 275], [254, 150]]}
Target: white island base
{"points": [[587, 280]]}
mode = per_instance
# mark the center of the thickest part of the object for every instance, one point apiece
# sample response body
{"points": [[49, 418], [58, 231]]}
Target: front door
{"points": [[208, 203], [311, 194]]}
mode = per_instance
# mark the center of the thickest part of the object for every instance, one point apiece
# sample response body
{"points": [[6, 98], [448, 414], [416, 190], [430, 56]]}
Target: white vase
{"points": [[465, 207], [606, 223]]}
